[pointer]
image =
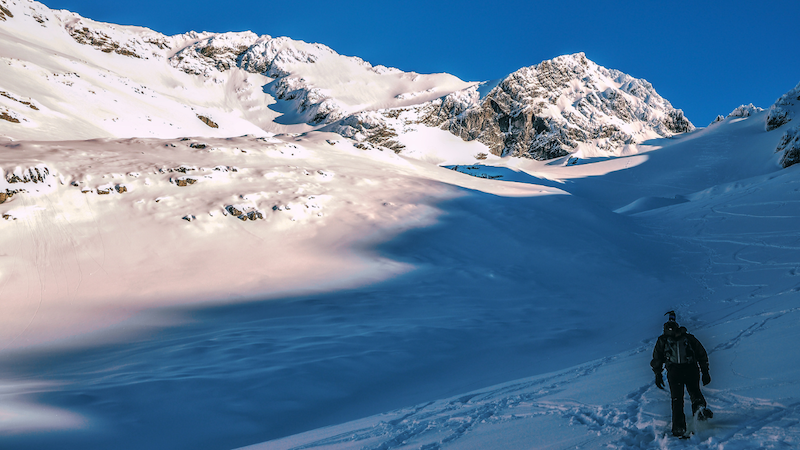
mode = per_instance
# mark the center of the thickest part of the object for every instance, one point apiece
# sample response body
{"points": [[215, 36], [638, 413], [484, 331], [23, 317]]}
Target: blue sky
{"points": [[705, 57]]}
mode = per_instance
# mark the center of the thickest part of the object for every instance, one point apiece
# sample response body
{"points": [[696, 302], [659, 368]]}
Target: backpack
{"points": [[678, 350]]}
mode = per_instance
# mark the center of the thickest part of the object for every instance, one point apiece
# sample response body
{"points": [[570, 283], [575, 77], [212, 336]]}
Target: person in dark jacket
{"points": [[685, 359]]}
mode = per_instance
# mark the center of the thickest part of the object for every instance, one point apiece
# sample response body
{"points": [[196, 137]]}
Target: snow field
{"points": [[737, 240], [290, 286]]}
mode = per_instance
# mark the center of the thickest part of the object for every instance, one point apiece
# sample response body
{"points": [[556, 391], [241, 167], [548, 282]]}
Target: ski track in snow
{"points": [[634, 423]]}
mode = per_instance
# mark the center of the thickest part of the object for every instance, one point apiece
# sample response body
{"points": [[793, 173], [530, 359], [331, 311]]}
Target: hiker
{"points": [[685, 359]]}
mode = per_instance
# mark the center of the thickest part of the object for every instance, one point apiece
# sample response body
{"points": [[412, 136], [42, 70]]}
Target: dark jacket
{"points": [[665, 349]]}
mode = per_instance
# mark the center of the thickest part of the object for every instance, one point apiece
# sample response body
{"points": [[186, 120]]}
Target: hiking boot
{"points": [[704, 413]]}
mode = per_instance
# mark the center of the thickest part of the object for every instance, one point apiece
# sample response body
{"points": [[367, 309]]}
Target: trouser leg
{"points": [[693, 388], [676, 386]]}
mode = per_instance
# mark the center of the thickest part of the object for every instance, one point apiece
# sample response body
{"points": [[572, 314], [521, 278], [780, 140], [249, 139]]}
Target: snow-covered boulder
{"points": [[745, 111], [548, 110], [781, 112]]}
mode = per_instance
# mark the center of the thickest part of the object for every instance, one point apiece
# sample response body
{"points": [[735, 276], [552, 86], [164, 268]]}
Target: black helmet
{"points": [[671, 327]]}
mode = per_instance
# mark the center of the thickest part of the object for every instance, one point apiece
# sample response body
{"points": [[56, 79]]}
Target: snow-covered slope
{"points": [[85, 79], [266, 276], [720, 198]]}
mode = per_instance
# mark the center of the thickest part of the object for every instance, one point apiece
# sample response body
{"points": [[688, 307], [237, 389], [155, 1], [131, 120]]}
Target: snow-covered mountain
{"points": [[559, 107], [94, 79], [104, 78], [217, 240]]}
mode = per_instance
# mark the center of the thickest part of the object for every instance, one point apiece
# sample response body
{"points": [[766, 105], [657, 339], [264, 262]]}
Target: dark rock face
{"points": [[777, 118], [546, 111], [4, 12], [232, 210], [790, 146], [255, 215], [208, 121], [5, 116], [100, 41], [37, 174], [780, 113], [16, 99]]}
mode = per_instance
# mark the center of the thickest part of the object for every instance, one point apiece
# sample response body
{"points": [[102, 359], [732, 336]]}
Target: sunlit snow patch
{"points": [[20, 416]]}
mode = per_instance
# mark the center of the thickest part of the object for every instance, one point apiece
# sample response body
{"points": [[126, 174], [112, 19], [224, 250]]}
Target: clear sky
{"points": [[706, 57]]}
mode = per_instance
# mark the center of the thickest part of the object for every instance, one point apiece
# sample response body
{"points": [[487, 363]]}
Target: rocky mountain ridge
{"points": [[780, 114], [542, 112], [567, 105], [548, 110]]}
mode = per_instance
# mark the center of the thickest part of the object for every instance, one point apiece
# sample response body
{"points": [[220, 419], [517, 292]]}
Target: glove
{"points": [[706, 378], [659, 380]]}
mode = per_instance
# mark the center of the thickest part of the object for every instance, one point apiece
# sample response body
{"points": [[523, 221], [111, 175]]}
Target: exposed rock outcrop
{"points": [[4, 12], [745, 111], [4, 115], [780, 113], [109, 39], [218, 52], [790, 146], [100, 41], [27, 103], [546, 111], [208, 121], [542, 112], [37, 174], [372, 127]]}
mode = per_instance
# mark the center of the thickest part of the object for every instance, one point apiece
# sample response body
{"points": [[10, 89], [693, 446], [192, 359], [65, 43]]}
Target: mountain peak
{"points": [[560, 106]]}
